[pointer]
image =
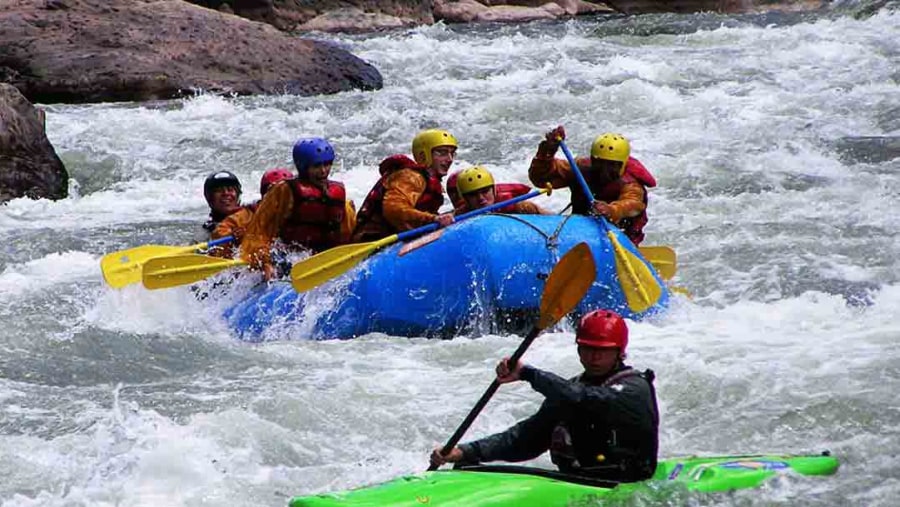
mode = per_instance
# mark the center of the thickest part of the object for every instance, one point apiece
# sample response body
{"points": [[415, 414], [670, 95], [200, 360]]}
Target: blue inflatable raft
{"points": [[485, 274]]}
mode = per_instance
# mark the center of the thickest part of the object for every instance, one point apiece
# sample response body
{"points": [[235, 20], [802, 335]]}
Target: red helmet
{"points": [[602, 328], [272, 177]]}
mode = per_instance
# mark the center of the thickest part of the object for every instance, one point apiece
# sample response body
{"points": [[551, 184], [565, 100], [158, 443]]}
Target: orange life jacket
{"points": [[370, 222]]}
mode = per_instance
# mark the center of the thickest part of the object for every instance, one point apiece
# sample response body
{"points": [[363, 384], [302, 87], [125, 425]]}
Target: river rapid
{"points": [[787, 239]]}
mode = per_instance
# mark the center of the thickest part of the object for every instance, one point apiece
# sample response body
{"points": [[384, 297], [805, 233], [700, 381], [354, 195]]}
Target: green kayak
{"points": [[483, 486]]}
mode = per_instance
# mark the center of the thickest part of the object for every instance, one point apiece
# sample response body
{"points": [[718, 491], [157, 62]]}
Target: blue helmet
{"points": [[310, 151]]}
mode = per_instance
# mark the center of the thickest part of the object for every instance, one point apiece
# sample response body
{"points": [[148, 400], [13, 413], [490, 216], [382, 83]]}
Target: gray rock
{"points": [[29, 166], [134, 50], [720, 6]]}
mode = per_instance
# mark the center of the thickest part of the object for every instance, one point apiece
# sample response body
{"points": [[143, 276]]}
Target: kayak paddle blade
{"points": [[568, 283]]}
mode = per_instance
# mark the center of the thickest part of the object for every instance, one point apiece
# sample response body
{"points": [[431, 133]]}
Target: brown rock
{"points": [[511, 11], [520, 14], [463, 11], [352, 20], [722, 6], [131, 50], [293, 14], [29, 166]]}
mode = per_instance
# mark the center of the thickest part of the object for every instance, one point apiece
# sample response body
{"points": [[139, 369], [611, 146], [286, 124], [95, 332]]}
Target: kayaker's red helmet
{"points": [[272, 177], [602, 328]]}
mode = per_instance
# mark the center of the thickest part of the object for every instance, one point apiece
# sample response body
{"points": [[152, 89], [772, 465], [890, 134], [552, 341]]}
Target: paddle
{"points": [[568, 283], [175, 270], [639, 286], [320, 268], [662, 258], [124, 267]]}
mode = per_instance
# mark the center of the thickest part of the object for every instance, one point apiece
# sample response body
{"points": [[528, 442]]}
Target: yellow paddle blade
{"points": [[124, 267], [320, 268], [640, 287], [175, 270], [681, 290], [662, 258], [568, 283]]}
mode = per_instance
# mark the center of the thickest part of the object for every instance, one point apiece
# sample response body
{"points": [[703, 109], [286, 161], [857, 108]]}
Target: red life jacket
{"points": [[370, 222], [507, 191], [315, 221], [633, 227], [502, 192]]}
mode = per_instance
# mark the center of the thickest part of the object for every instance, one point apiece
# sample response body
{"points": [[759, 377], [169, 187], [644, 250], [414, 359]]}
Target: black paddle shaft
{"points": [[458, 434]]}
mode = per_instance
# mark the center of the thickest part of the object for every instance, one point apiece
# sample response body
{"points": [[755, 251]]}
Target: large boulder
{"points": [[353, 20], [515, 11], [28, 165], [333, 15], [369, 15], [132, 50]]}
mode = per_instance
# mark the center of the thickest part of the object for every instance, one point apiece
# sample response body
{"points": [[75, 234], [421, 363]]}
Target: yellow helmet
{"points": [[427, 140], [474, 179], [613, 147]]}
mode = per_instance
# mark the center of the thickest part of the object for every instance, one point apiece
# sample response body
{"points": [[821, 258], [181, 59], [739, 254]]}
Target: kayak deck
{"points": [[526, 486]]}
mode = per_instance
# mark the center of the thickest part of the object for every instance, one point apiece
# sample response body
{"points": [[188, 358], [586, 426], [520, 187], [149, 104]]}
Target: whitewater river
{"points": [[784, 217]]}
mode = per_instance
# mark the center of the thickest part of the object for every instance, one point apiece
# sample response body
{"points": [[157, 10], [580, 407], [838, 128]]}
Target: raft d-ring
{"points": [[423, 499], [549, 188]]}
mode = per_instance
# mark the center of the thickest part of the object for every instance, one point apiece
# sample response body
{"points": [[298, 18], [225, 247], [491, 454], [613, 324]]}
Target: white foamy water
{"points": [[788, 244]]}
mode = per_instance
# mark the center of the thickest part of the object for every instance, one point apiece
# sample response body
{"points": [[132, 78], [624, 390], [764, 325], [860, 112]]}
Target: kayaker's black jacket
{"points": [[600, 427]]}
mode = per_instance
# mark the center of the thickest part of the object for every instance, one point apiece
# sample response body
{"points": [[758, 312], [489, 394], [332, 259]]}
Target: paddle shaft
{"points": [[583, 183], [578, 175], [403, 236], [217, 242], [488, 394], [590, 197]]}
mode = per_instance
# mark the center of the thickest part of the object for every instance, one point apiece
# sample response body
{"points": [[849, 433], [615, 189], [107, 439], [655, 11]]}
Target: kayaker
{"points": [[409, 193], [222, 190], [603, 423], [477, 189], [503, 191], [618, 181], [309, 212], [235, 224]]}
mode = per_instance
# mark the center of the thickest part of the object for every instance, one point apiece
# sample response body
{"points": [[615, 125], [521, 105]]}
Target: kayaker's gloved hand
{"points": [[507, 373], [437, 459]]}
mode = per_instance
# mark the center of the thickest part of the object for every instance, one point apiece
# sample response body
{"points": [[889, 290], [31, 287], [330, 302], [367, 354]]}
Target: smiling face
{"points": [[224, 200], [441, 160]]}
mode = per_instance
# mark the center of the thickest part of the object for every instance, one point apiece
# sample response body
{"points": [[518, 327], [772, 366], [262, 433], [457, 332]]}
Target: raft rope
{"points": [[550, 240]]}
